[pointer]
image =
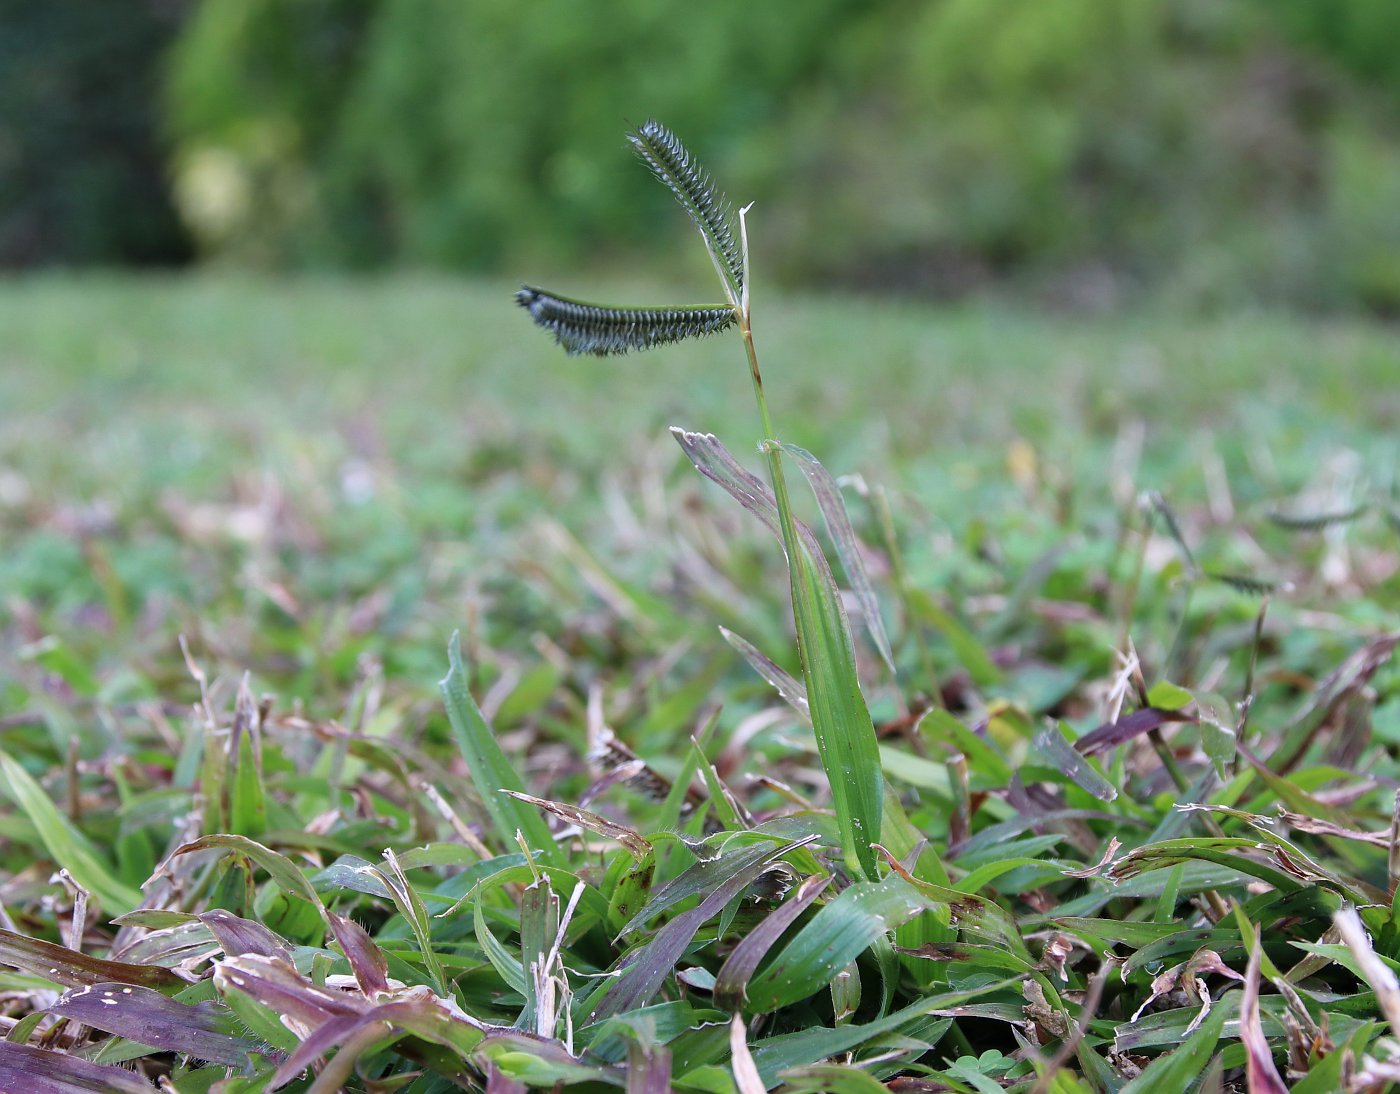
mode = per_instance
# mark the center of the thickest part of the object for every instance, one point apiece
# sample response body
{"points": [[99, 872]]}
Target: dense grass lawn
{"points": [[1125, 565]]}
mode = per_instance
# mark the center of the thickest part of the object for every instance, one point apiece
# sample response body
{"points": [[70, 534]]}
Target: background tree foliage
{"points": [[1212, 151]]}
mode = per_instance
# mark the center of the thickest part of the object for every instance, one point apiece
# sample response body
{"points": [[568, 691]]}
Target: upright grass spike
{"points": [[671, 162], [602, 331]]}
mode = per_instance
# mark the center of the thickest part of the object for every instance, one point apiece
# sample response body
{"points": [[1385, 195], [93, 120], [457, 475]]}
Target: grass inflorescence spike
{"points": [[671, 162], [603, 331]]}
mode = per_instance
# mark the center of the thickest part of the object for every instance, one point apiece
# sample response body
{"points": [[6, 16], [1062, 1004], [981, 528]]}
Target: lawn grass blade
{"points": [[845, 735], [204, 1031], [838, 934], [604, 331], [1316, 522], [786, 685], [671, 162], [71, 969], [630, 839], [843, 536], [236, 935], [491, 772], [731, 982], [1051, 745], [64, 843], [650, 965], [1176, 1069], [44, 1071], [367, 961], [279, 867]]}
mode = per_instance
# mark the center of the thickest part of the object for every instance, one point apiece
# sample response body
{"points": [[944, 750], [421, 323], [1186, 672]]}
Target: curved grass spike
{"points": [[671, 162], [601, 331]]}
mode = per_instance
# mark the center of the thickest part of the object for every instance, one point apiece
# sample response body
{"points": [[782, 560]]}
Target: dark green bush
{"points": [[82, 173]]}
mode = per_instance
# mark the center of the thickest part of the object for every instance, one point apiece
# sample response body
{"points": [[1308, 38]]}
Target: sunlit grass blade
{"points": [[491, 772], [843, 536], [603, 331], [25, 1067], [63, 842], [671, 162], [204, 1031]]}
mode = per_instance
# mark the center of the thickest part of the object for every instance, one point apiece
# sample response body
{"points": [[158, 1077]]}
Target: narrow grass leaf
{"points": [[45, 1071], [1174, 1070], [73, 969], [279, 867], [786, 685], [1052, 746], [491, 772], [650, 965], [838, 934], [843, 536], [63, 842], [204, 1031], [1111, 734], [845, 735], [731, 982], [629, 838], [1315, 522]]}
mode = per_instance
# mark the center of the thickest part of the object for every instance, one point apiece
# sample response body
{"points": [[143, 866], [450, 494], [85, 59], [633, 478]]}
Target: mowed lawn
{"points": [[306, 486]]}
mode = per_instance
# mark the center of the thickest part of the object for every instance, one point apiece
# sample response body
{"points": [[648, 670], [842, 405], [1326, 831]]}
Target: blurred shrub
{"points": [[1217, 150], [82, 173]]}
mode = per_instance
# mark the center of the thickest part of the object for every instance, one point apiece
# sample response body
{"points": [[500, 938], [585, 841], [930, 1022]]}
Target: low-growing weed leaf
{"points": [[491, 772], [838, 526], [47, 1071], [839, 933], [63, 842], [204, 1031]]}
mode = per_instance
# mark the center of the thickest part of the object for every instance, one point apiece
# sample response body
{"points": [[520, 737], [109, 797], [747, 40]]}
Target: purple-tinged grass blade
{"points": [[651, 964], [1261, 1076], [697, 880], [497, 1082], [1111, 734], [367, 960], [239, 936], [72, 969], [838, 525], [150, 1018], [648, 1069], [732, 980], [44, 1071], [788, 686]]}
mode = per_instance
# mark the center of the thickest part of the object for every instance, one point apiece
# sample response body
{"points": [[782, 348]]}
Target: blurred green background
{"points": [[1079, 153]]}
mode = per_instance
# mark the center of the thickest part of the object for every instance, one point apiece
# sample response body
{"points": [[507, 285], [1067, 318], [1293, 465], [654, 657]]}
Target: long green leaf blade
{"points": [[491, 772]]}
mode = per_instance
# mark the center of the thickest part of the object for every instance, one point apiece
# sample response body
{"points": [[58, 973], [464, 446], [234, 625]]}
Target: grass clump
{"points": [[1109, 807]]}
